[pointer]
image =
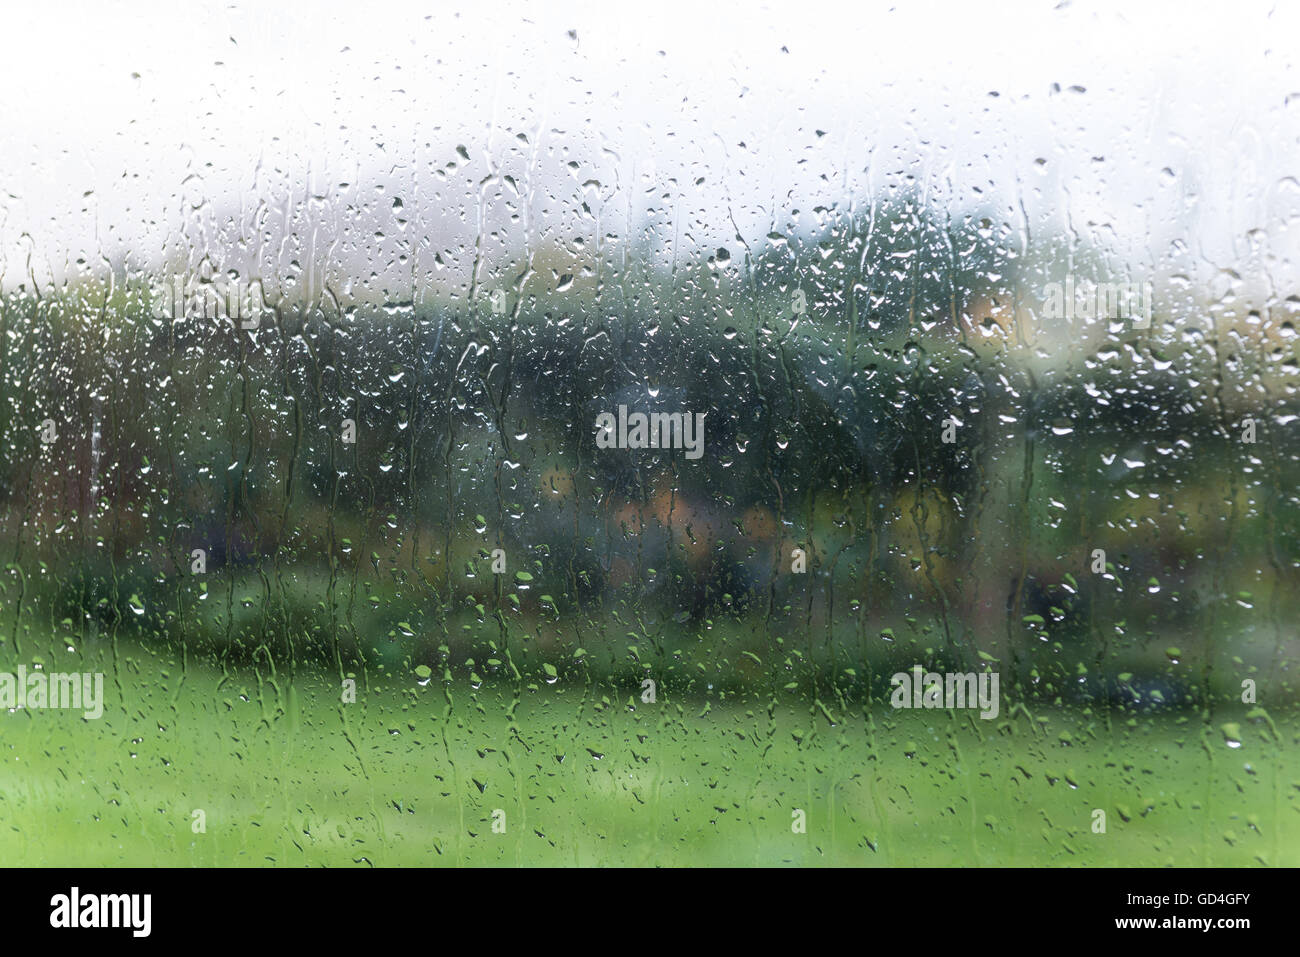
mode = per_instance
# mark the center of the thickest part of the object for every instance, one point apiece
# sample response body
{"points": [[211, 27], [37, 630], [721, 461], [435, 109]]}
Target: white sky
{"points": [[132, 134]]}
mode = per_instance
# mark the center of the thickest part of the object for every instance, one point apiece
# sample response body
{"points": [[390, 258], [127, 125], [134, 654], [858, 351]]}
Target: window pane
{"points": [[526, 438]]}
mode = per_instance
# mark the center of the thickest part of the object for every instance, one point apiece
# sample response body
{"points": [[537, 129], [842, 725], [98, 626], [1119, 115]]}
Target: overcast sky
{"points": [[328, 134]]}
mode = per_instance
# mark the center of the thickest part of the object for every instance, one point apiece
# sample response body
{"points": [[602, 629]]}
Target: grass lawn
{"points": [[411, 775]]}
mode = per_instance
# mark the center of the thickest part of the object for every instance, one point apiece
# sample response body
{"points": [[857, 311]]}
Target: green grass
{"points": [[410, 775]]}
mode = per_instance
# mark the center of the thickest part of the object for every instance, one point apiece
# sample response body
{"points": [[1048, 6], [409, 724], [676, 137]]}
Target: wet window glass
{"points": [[537, 438]]}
